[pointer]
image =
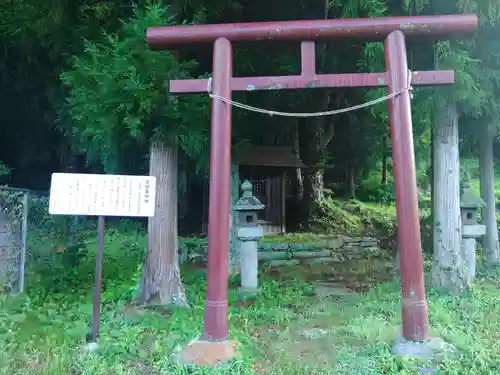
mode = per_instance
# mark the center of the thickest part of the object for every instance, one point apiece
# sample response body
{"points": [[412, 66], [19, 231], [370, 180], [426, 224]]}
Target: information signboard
{"points": [[102, 195]]}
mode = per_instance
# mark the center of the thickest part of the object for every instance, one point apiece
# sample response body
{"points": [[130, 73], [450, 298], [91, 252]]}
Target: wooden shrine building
{"points": [[266, 167]]}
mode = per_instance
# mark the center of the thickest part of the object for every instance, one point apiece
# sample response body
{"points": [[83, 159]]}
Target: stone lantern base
{"points": [[248, 293], [427, 350], [249, 259]]}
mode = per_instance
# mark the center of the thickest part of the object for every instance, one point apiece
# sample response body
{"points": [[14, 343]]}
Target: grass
{"points": [[295, 326], [354, 332], [352, 217]]}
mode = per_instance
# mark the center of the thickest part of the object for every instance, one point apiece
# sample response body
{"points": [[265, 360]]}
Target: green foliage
{"points": [[354, 218], [356, 8], [71, 268], [372, 190], [470, 166], [475, 64], [118, 99], [287, 330], [292, 238], [426, 230], [467, 89], [470, 170], [333, 219], [4, 171], [11, 204]]}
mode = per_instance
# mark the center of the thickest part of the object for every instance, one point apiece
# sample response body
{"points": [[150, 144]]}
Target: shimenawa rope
{"points": [[313, 114]]}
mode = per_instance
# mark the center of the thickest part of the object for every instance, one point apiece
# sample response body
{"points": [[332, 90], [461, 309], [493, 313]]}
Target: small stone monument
{"points": [[249, 233], [471, 230]]}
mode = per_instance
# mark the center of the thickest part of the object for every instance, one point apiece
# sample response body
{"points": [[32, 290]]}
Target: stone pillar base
{"points": [[90, 347], [429, 350], [206, 353], [248, 293]]}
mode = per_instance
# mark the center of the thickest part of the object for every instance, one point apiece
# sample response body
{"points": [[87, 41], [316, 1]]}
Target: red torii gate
{"points": [[393, 30]]}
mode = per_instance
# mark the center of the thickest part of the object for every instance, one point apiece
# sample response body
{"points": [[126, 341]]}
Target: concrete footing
{"points": [[90, 347], [206, 353], [247, 293], [429, 350]]}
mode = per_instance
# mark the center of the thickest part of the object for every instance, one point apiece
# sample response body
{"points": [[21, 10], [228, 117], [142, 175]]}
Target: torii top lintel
{"points": [[368, 29]]}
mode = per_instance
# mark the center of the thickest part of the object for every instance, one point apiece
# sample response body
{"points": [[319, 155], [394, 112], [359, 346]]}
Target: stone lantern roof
{"points": [[248, 202], [471, 200]]}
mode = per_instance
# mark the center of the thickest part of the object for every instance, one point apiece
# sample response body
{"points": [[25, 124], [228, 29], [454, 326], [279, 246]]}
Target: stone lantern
{"points": [[471, 229], [249, 233]]}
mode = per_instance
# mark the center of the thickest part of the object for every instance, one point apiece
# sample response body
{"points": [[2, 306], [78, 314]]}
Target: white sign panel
{"points": [[102, 195]]}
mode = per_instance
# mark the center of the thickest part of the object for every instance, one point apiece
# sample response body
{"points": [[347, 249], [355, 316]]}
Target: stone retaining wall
{"points": [[334, 249], [324, 250]]}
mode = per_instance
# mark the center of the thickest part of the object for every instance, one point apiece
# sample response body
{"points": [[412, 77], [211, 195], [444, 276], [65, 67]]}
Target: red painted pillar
{"points": [[414, 304], [216, 323]]}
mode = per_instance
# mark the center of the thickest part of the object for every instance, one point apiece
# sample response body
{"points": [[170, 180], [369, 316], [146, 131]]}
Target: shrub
{"points": [[372, 190]]}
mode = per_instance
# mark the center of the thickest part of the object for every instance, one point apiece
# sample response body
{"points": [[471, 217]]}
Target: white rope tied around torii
{"points": [[269, 112]]}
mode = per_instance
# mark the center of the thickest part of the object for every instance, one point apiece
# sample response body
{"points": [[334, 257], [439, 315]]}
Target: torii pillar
{"points": [[391, 29]]}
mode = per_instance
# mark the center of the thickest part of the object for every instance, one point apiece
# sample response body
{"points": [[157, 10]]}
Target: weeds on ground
{"points": [[288, 330], [352, 217], [355, 334]]}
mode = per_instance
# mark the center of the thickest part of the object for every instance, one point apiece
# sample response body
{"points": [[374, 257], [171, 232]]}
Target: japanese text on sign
{"points": [[102, 195]]}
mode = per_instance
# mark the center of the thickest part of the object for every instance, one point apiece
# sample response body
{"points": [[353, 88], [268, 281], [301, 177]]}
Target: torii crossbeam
{"points": [[393, 30]]}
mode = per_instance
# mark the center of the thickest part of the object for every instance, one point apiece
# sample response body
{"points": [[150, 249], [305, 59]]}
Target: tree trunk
{"points": [[385, 171], [313, 187], [161, 280], [448, 265], [234, 243], [72, 226], [311, 153], [430, 172], [490, 243], [298, 181], [314, 135], [294, 204], [352, 181]]}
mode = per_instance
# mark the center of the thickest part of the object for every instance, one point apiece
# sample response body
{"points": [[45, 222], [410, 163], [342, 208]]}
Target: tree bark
{"points": [[315, 134], [313, 187], [385, 171], [490, 242], [72, 221], [448, 266], [234, 243], [294, 205], [313, 139], [352, 181], [161, 280], [430, 169], [298, 181]]}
